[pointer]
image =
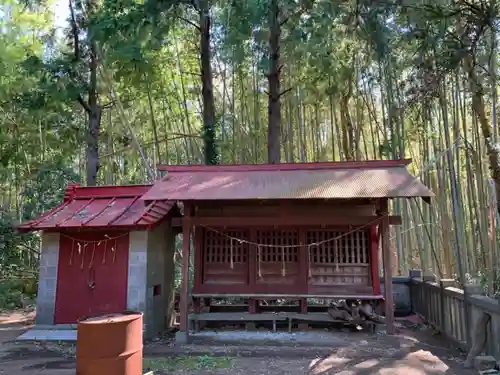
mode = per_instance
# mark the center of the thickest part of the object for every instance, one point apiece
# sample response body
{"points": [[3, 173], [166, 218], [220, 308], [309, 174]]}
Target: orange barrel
{"points": [[110, 345]]}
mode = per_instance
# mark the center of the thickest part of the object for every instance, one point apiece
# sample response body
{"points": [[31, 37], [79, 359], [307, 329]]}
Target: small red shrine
{"points": [[105, 251], [295, 231]]}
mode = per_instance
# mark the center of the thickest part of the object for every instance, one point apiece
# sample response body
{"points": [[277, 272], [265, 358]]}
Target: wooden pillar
{"points": [[374, 259], [387, 256], [182, 336]]}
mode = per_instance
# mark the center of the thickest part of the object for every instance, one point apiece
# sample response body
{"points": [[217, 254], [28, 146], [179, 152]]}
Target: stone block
{"points": [[415, 274], [138, 258], [489, 372], [446, 283], [474, 289], [44, 313], [133, 294], [47, 290], [303, 326], [48, 272], [49, 259], [429, 278], [182, 338], [250, 326], [137, 275], [136, 298], [485, 362]]}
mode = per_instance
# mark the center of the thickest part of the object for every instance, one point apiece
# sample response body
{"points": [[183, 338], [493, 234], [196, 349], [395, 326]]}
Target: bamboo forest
{"points": [[100, 92]]}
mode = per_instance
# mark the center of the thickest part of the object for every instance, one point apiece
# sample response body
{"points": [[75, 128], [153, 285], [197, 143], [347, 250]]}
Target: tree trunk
{"points": [[479, 109], [153, 124], [209, 120], [274, 105], [94, 122]]}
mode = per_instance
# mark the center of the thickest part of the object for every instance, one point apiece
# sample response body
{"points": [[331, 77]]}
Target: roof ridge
{"points": [[332, 165]]}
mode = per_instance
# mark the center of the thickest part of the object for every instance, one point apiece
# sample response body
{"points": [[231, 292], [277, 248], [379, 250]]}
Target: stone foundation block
{"points": [[485, 362], [303, 326], [250, 326], [182, 337]]}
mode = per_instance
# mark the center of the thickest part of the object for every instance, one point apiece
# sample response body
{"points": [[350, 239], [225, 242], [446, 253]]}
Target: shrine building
{"points": [[256, 232]]}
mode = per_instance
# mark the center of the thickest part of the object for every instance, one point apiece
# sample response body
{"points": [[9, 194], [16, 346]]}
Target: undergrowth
{"points": [[187, 363], [17, 293]]}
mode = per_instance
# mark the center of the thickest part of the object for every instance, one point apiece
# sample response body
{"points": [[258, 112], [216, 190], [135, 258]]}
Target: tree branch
{"points": [[84, 104], [285, 91], [189, 22], [113, 102], [29, 248]]}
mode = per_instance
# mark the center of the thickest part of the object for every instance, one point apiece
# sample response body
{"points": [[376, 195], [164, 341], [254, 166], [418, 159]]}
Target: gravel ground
{"points": [[411, 352]]}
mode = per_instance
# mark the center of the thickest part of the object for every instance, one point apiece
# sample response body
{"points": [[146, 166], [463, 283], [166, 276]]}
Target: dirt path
{"points": [[409, 353], [19, 358]]}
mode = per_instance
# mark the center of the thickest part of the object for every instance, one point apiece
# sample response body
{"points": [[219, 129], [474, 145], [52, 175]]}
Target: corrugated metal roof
{"points": [[380, 179], [99, 207]]}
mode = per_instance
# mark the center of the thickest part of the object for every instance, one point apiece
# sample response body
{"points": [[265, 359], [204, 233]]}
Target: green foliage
{"points": [[187, 363], [388, 58], [16, 293], [10, 243], [46, 188]]}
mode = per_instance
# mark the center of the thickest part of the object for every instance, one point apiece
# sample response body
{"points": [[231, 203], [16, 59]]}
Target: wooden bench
{"points": [[245, 317], [253, 299], [236, 317]]}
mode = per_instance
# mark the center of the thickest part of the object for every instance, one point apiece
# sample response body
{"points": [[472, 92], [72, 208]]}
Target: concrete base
{"points": [[485, 362], [182, 337], [250, 326], [303, 326], [37, 334]]}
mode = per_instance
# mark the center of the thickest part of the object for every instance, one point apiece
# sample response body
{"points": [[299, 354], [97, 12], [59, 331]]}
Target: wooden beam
{"points": [[387, 256], [316, 221], [263, 296]]}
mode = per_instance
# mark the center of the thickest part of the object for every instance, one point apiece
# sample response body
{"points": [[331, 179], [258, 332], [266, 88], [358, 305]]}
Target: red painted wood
{"points": [[288, 221], [198, 257], [253, 306], [285, 166], [252, 259], [374, 260], [129, 191], [103, 213], [74, 298], [304, 258], [303, 305], [296, 279]]}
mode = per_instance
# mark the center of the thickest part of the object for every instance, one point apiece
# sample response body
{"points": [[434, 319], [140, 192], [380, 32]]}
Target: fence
{"points": [[442, 305]]}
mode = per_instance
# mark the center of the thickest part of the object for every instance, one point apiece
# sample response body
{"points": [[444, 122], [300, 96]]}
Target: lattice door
{"points": [[278, 263], [341, 261], [225, 260]]}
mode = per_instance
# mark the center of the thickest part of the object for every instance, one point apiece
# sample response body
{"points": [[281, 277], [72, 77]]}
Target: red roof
{"points": [[104, 206], [329, 180]]}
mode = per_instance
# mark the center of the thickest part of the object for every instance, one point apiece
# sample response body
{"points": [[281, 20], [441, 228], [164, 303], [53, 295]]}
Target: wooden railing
{"points": [[442, 305]]}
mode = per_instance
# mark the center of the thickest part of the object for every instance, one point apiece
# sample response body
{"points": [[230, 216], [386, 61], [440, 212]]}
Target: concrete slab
{"points": [[48, 335]]}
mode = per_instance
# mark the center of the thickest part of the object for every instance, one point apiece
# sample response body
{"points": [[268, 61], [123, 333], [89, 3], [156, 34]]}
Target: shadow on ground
{"points": [[413, 351]]}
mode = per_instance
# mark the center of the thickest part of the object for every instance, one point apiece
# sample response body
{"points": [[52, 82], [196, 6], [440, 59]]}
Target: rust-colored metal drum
{"points": [[110, 345]]}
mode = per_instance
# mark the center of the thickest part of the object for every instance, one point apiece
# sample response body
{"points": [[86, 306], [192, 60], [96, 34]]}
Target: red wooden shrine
{"points": [[290, 231], [94, 225]]}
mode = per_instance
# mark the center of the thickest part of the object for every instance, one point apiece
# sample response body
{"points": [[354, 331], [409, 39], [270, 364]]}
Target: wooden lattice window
{"points": [[219, 247], [280, 241], [335, 247]]}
